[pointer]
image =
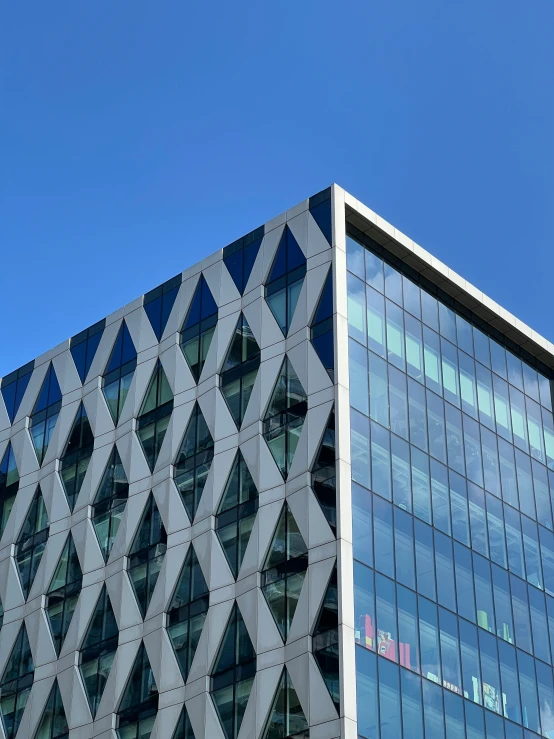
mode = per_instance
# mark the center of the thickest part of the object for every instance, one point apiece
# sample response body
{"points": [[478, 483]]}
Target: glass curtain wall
{"points": [[452, 442]]}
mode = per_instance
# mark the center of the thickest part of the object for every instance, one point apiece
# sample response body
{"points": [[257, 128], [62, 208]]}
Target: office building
{"points": [[303, 490]]}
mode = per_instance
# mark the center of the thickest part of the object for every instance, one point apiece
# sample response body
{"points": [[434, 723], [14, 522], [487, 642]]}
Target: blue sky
{"points": [[138, 137]]}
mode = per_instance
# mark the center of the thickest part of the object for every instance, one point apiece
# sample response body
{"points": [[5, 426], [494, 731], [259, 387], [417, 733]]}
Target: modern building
{"points": [[302, 490]]}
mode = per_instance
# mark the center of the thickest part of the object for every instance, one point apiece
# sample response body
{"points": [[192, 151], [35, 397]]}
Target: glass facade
{"points": [[32, 542], [452, 449], [147, 554]]}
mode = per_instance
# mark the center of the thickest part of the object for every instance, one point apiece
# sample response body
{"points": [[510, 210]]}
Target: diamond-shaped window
{"points": [[233, 674], [159, 302], [83, 347], [63, 593], [16, 683], [285, 417], [239, 257], [147, 554], [322, 333], [286, 719], [13, 388], [119, 372], [32, 542], [325, 643], [139, 704], [110, 502], [194, 461], [9, 485], [324, 473], [154, 415], [320, 209], [240, 370], [183, 730], [53, 724], [98, 650], [285, 280], [45, 413], [236, 513], [76, 457], [198, 328], [187, 612], [284, 570]]}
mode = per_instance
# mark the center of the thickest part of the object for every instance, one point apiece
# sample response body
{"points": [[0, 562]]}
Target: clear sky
{"points": [[138, 137]]}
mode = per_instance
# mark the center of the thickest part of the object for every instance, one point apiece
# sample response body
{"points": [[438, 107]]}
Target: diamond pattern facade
{"points": [[169, 518]]}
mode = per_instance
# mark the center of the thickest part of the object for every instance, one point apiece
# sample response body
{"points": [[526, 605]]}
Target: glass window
{"points": [[383, 536], [485, 397], [464, 334], [520, 605], [233, 674], [395, 335], [239, 258], [430, 310], [450, 373], [367, 693], [472, 445], [432, 356], [450, 652], [147, 554], [376, 340], [481, 346], [502, 604], [491, 467], [13, 387], [425, 560], [495, 525], [408, 642], [98, 650], [287, 717], [483, 593], [194, 461], [389, 701], [398, 403], [236, 513], [542, 494], [154, 415], [139, 704], [9, 485], [539, 624], [468, 387], [359, 393], [454, 716], [459, 508], [393, 284], [284, 570], [401, 477], [429, 640], [16, 683], [531, 549], [433, 710], [385, 602], [32, 542], [159, 302], [364, 607], [440, 496], [464, 582], [528, 689], [42, 420], [412, 708], [414, 348], [444, 563], [240, 370], [284, 417], [404, 548], [454, 439], [63, 593], [514, 541], [412, 302], [359, 448], [380, 461], [109, 503], [421, 485], [76, 457], [471, 673], [474, 721], [436, 427], [447, 321], [362, 525], [492, 695], [378, 390], [356, 309], [187, 611], [546, 698], [119, 372], [477, 520]]}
